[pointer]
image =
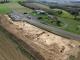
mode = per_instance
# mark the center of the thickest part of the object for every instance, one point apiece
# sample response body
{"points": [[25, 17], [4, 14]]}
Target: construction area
{"points": [[42, 44]]}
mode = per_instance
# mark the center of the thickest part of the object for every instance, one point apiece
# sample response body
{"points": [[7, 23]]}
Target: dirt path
{"points": [[9, 50]]}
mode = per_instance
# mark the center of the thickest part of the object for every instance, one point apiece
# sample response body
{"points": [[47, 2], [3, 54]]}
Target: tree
{"points": [[59, 12], [58, 23], [39, 18], [74, 12], [51, 12], [4, 1]]}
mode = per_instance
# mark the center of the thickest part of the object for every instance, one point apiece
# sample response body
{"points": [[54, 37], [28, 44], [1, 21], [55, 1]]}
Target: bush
{"points": [[71, 57], [39, 18]]}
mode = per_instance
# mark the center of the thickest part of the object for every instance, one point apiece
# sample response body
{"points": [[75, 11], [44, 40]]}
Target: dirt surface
{"points": [[9, 50], [50, 46]]}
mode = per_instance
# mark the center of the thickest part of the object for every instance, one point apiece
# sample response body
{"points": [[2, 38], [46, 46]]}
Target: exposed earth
{"points": [[21, 40], [47, 45]]}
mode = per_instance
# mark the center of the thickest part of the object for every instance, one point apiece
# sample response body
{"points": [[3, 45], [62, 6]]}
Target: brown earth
{"points": [[42, 44], [9, 50]]}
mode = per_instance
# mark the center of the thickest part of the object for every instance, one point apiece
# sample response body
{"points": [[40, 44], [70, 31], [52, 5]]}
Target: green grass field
{"points": [[4, 9], [68, 23], [65, 14], [71, 25], [13, 5]]}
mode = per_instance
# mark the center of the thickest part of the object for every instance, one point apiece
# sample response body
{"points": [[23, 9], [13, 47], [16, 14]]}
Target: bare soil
{"points": [[46, 44]]}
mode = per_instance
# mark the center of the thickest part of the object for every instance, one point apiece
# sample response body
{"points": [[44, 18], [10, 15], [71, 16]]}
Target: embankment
{"points": [[25, 48]]}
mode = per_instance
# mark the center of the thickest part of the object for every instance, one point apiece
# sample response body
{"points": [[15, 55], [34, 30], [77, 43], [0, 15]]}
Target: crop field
{"points": [[9, 49]]}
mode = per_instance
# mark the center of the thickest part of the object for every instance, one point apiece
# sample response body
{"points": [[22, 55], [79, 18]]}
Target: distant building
{"points": [[40, 11]]}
